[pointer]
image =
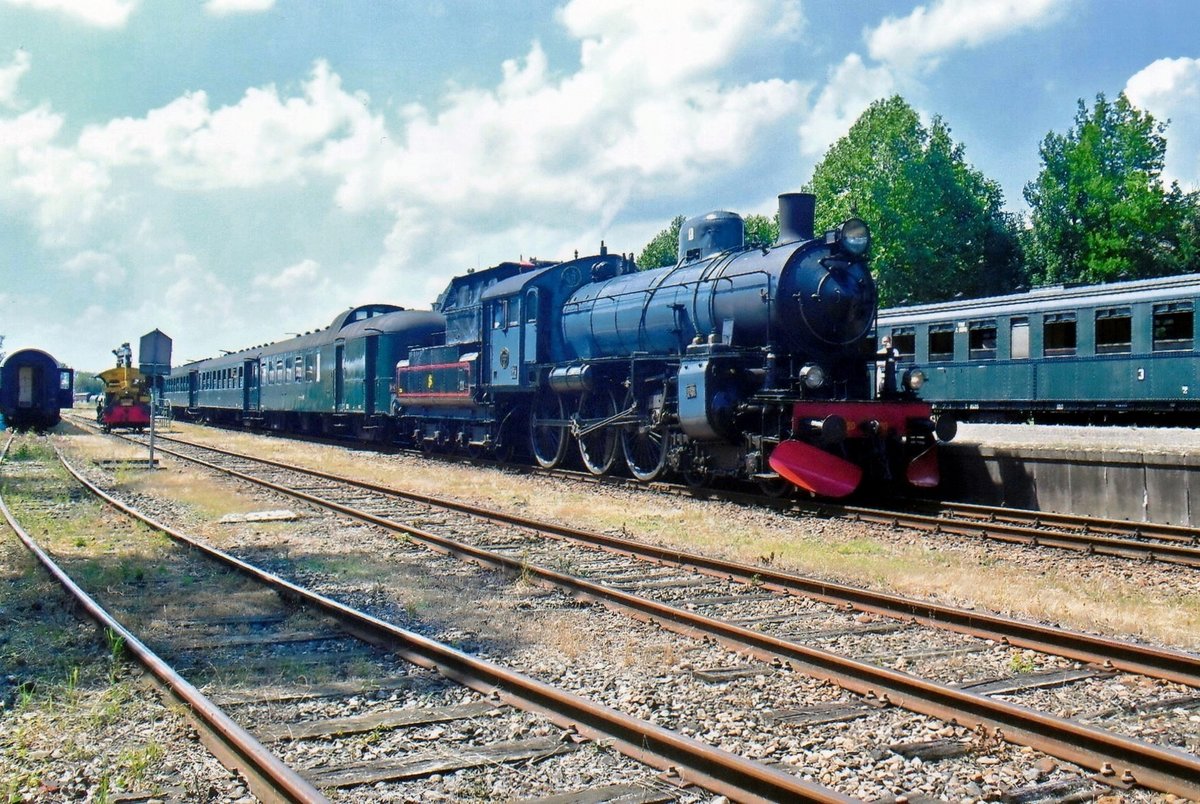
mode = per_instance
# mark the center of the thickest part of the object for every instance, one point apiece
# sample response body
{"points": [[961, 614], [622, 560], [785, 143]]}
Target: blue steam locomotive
{"points": [[745, 362]]}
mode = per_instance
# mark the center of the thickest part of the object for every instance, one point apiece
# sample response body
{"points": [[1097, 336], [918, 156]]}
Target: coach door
{"points": [[251, 387], [339, 365], [66, 387], [27, 386], [369, 390], [193, 389]]}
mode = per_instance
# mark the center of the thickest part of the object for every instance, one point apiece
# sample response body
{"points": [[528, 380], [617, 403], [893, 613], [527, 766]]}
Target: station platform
{"points": [[1139, 474]]}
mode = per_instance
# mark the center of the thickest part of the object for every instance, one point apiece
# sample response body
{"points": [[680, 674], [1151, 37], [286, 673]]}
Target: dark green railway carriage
{"points": [[1084, 351], [337, 379]]}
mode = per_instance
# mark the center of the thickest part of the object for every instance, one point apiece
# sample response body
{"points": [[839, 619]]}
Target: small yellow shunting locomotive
{"points": [[126, 401]]}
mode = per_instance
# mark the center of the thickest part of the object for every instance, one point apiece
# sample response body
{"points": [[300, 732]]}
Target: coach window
{"points": [[531, 306], [904, 341], [1019, 332], [1058, 334], [941, 342], [308, 368], [1114, 331], [1173, 326], [982, 340]]}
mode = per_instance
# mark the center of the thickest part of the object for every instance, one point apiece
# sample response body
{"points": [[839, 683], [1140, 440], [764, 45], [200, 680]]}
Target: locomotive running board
{"points": [[814, 469]]}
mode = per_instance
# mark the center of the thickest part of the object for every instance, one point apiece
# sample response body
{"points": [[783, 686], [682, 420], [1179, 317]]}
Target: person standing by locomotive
{"points": [[885, 368], [124, 356]]}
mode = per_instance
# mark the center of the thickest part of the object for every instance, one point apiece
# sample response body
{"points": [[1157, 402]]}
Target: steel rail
{"points": [[266, 775], [1086, 524], [694, 762], [1125, 759], [1037, 537], [1171, 665]]}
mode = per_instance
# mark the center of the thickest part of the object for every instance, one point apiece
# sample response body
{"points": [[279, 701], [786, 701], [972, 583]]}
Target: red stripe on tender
{"points": [[416, 369], [440, 395]]}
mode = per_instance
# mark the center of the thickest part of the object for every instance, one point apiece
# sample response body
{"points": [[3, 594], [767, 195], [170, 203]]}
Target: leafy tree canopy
{"points": [[1099, 209], [937, 224], [663, 250], [762, 230], [88, 382]]}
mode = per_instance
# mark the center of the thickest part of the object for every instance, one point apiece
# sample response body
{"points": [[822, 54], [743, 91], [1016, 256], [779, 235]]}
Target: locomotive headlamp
{"points": [[853, 236], [914, 379], [813, 376]]}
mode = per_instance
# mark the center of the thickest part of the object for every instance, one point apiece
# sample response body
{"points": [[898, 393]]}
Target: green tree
{"points": [[1099, 209], [937, 224], [762, 230], [87, 382], [663, 250]]}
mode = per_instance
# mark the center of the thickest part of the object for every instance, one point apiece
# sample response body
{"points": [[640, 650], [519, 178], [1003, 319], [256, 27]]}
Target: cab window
{"points": [[531, 306]]}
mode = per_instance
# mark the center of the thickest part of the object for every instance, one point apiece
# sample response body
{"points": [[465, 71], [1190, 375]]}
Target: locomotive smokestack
{"points": [[797, 214]]}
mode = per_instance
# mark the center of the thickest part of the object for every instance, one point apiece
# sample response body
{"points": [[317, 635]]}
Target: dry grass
{"points": [[1091, 594], [191, 487], [99, 448]]}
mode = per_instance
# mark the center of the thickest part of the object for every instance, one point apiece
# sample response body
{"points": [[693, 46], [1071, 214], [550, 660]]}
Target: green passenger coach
{"points": [[1098, 352]]}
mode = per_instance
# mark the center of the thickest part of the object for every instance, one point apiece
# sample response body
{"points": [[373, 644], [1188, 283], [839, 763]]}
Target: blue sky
{"points": [[233, 170]]}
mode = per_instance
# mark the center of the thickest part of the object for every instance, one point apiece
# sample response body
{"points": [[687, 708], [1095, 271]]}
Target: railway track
{"points": [[330, 635], [1142, 541], [780, 618]]}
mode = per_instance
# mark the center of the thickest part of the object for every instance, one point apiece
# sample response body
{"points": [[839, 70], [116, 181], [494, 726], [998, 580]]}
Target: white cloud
{"points": [[100, 13], [300, 276], [260, 140], [647, 110], [851, 88], [221, 8], [946, 25], [10, 78], [61, 190], [100, 269], [542, 162], [1170, 90]]}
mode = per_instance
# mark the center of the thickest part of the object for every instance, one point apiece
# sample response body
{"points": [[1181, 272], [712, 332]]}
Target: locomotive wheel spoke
{"points": [[548, 430], [599, 449], [645, 446]]}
